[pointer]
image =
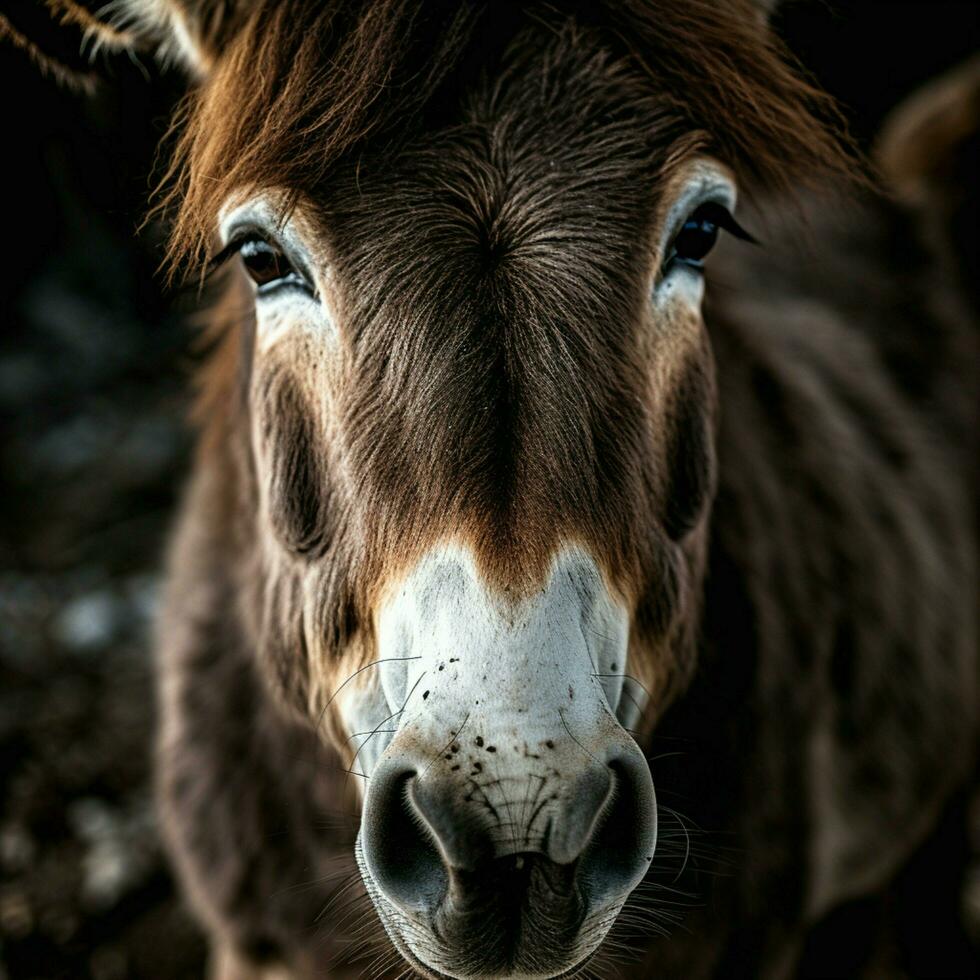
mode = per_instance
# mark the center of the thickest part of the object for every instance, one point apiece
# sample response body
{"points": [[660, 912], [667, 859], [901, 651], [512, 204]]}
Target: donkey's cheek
{"points": [[690, 456], [289, 457], [297, 327]]}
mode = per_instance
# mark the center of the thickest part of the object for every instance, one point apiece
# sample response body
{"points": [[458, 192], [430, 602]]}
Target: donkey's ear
{"points": [[188, 33], [63, 36], [925, 145], [766, 9], [929, 154]]}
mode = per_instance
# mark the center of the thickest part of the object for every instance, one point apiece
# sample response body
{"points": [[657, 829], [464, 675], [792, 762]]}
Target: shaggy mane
{"points": [[298, 84]]}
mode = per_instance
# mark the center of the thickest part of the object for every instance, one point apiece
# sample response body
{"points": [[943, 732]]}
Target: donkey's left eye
{"points": [[699, 233], [267, 266]]}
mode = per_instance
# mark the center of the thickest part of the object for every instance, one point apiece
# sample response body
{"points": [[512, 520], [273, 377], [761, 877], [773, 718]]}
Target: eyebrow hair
{"points": [[335, 78]]}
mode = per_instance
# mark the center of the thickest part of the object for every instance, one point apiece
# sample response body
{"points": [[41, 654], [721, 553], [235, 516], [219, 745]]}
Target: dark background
{"points": [[93, 360]]}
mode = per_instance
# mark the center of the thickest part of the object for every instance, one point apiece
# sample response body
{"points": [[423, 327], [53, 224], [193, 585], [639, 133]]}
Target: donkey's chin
{"points": [[541, 934], [433, 974]]}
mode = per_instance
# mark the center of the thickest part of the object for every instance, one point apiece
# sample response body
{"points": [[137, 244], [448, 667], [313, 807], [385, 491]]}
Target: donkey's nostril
{"points": [[397, 847], [575, 822], [428, 837], [463, 841], [621, 848]]}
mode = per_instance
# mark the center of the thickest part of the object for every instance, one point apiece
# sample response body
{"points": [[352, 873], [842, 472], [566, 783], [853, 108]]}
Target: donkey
{"points": [[508, 506]]}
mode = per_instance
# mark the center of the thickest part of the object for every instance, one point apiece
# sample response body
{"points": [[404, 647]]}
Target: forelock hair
{"points": [[297, 85]]}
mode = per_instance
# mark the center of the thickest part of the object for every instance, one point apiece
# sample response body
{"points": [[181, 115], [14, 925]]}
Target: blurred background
{"points": [[94, 358]]}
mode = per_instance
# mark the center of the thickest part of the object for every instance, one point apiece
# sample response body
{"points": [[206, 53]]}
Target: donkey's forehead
{"points": [[560, 127], [560, 144]]}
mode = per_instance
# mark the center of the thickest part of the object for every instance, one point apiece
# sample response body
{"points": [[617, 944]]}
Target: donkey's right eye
{"points": [[267, 266]]}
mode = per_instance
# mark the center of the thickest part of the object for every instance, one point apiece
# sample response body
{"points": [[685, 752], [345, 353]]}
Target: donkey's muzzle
{"points": [[511, 814], [504, 867]]}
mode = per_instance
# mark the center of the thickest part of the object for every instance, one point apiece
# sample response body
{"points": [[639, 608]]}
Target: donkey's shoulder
{"points": [[844, 507]]}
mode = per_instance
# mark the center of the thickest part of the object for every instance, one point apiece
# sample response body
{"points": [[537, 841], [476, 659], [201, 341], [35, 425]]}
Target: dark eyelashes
{"points": [[723, 218], [226, 254], [266, 261], [698, 234], [710, 214]]}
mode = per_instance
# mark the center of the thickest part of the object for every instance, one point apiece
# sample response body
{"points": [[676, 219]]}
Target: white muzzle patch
{"points": [[504, 799], [508, 700]]}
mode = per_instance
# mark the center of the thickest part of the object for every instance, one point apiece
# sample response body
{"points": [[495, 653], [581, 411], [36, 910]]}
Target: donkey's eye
{"points": [[697, 237], [699, 233], [267, 266]]}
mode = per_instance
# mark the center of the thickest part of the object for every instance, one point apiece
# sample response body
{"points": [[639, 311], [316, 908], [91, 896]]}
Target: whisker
{"points": [[383, 731], [353, 879], [630, 677], [373, 663], [394, 714], [452, 739], [574, 739]]}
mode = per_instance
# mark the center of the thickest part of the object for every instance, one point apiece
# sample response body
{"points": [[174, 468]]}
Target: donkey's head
{"points": [[481, 422], [471, 408]]}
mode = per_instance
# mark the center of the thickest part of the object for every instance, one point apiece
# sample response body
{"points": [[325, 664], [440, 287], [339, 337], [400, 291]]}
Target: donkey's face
{"points": [[480, 418]]}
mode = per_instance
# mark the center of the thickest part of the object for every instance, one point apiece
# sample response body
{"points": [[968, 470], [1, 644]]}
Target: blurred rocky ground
{"points": [[91, 407], [92, 397]]}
